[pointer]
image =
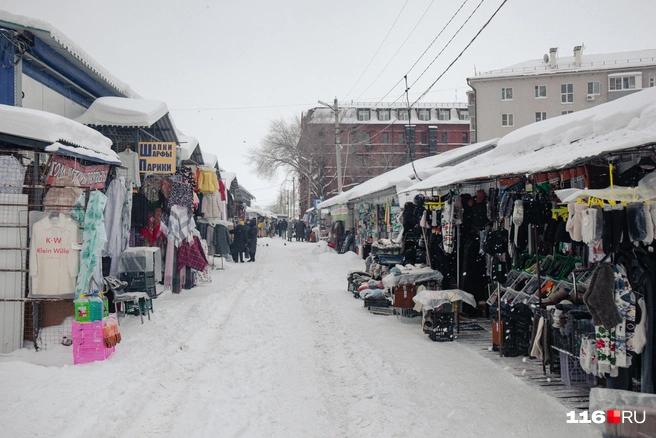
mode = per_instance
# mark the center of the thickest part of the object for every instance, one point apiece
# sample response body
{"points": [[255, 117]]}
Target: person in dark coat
{"points": [[238, 242], [252, 239], [300, 230]]}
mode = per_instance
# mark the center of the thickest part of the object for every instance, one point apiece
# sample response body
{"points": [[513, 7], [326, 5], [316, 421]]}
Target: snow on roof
{"points": [[349, 114], [561, 142], [60, 42], [210, 160], [121, 111], [605, 61], [402, 176], [187, 146], [228, 178], [53, 128], [260, 211]]}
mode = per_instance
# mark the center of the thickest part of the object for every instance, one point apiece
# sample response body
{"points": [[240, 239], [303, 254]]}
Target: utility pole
{"points": [[338, 146]]}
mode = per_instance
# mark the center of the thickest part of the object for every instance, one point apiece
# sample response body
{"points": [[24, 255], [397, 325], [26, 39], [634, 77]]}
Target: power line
{"points": [[398, 50], [463, 51], [438, 35], [448, 43], [240, 107], [378, 50]]}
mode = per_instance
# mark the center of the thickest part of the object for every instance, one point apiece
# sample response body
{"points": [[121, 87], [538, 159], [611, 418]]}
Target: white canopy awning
{"points": [[403, 176], [561, 142], [64, 135], [121, 111]]}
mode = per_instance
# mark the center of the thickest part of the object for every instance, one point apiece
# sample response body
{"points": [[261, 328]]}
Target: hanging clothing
{"points": [[447, 228], [204, 276], [191, 254], [181, 194], [116, 194], [212, 206], [129, 159], [221, 240], [93, 240], [222, 190], [126, 217], [181, 225], [207, 181], [61, 199], [53, 261], [12, 175]]}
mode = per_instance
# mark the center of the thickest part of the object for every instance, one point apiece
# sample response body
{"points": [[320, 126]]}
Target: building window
{"points": [[567, 93], [364, 115], [465, 137], [423, 114], [506, 94], [540, 91], [507, 120], [652, 82], [563, 113], [617, 83], [445, 137], [385, 138], [539, 116], [463, 114], [384, 115], [444, 114], [594, 88], [403, 114], [364, 138], [401, 138], [424, 139]]}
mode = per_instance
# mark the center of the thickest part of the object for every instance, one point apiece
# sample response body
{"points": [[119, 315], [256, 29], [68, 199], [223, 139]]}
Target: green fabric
{"points": [[93, 239]]}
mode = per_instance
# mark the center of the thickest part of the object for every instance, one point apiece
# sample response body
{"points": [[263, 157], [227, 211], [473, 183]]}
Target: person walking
{"points": [[300, 230], [252, 239], [238, 242], [290, 230]]}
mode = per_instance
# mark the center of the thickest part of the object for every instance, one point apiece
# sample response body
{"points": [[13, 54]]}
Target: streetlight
{"points": [[335, 108]]}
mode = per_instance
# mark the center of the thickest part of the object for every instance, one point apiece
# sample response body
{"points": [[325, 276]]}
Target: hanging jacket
{"points": [[207, 181]]}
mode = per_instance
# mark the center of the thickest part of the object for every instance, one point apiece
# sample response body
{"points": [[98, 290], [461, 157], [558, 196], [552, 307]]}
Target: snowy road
{"points": [[273, 348]]}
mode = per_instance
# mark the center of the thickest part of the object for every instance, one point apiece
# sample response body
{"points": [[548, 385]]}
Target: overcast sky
{"points": [[226, 68]]}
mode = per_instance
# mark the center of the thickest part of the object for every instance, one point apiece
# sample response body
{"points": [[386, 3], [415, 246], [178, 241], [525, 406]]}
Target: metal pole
{"points": [[338, 148]]}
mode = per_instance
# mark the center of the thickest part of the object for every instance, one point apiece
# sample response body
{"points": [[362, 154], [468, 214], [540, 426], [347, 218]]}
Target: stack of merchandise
{"points": [[95, 332]]}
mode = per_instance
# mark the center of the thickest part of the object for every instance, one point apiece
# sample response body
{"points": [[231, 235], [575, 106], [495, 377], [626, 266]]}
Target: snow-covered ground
{"points": [[273, 348]]}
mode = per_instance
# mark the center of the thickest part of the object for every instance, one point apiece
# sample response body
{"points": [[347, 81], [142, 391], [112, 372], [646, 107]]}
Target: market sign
{"points": [[68, 172], [156, 157], [339, 212]]}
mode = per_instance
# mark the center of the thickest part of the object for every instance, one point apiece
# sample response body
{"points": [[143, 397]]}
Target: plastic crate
{"points": [[376, 302], [572, 374], [392, 250], [581, 328], [442, 330], [516, 338]]}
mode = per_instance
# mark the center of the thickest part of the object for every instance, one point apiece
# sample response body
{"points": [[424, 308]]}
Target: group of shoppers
{"points": [[244, 240]]}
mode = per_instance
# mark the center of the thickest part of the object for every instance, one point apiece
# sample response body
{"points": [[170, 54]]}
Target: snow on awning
{"points": [[65, 135], [260, 212], [211, 160], [557, 143], [120, 111], [402, 176]]}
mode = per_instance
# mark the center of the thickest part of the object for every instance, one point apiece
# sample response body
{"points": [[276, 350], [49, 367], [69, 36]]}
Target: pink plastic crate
{"points": [[82, 355], [87, 329]]}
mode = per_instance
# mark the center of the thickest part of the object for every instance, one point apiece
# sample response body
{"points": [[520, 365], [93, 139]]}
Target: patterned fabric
{"points": [[61, 199], [151, 188], [447, 228], [204, 276], [180, 226], [126, 216], [116, 194], [191, 254], [613, 345], [187, 175], [181, 194]]}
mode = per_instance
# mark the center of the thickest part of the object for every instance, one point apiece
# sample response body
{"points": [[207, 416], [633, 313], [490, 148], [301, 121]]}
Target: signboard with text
{"points": [[67, 172], [339, 212], [156, 157]]}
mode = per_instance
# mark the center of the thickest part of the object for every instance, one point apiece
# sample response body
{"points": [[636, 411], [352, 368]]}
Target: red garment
{"points": [[222, 189], [151, 236], [191, 254]]}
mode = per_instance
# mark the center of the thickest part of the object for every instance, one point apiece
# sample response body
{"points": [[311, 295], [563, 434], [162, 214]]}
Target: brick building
{"points": [[374, 139]]}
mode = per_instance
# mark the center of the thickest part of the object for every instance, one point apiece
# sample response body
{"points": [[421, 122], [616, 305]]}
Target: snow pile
{"points": [[562, 141], [187, 146], [53, 128], [120, 111]]}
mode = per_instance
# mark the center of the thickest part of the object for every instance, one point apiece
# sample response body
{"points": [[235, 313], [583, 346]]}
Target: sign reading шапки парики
{"points": [[156, 157]]}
